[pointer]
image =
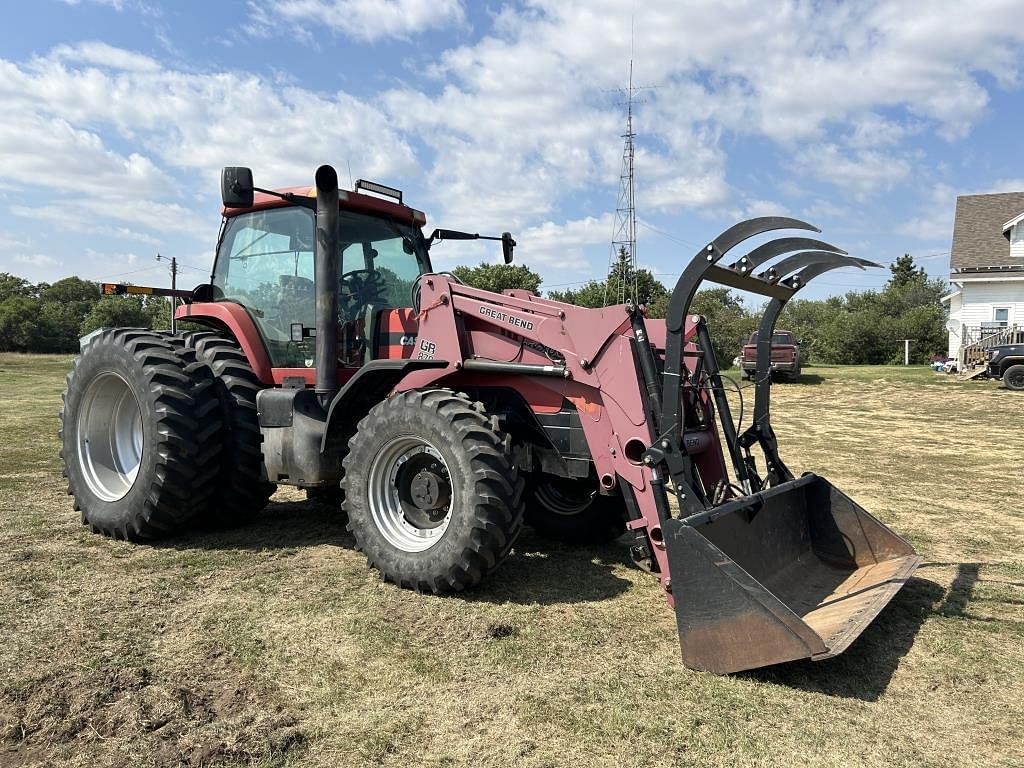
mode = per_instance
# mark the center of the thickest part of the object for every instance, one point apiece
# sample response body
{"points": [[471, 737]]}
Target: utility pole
{"points": [[174, 287]]}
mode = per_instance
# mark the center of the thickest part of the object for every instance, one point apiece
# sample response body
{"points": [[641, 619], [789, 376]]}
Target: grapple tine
{"points": [[782, 245], [797, 261], [708, 256], [746, 229], [812, 271]]}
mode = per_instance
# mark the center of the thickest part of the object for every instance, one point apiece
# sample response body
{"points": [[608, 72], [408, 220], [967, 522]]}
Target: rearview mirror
{"points": [[236, 187], [507, 244]]}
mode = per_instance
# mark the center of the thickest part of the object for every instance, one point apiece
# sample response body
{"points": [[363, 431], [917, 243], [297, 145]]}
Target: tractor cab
{"points": [[266, 263]]}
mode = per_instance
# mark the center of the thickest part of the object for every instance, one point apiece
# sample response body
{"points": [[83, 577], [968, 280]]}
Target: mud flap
{"points": [[794, 572]]}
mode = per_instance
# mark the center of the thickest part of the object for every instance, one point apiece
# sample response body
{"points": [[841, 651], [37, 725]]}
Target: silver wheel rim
{"points": [[386, 506], [109, 437]]}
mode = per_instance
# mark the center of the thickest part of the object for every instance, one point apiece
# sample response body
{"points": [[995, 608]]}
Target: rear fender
{"points": [[226, 315]]}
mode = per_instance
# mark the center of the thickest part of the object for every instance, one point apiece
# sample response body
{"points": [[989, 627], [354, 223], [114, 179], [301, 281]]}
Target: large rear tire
{"points": [[431, 495], [140, 435], [572, 511], [242, 491]]}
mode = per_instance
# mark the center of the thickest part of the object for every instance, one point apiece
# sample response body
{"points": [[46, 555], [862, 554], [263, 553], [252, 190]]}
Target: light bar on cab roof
{"points": [[379, 189]]}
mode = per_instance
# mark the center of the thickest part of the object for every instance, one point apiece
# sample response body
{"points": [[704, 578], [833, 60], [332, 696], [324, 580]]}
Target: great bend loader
{"points": [[337, 360]]}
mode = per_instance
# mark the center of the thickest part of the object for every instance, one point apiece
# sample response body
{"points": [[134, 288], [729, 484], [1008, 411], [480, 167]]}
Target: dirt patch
{"points": [[211, 718]]}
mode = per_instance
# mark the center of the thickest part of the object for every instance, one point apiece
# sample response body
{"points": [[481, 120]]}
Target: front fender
{"points": [[370, 384]]}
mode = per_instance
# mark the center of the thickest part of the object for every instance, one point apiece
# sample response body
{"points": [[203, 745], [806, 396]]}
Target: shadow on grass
{"points": [[281, 525], [537, 571], [864, 670], [811, 379], [546, 573]]}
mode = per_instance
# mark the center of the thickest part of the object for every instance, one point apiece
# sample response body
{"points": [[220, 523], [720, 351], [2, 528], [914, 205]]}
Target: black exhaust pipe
{"points": [[326, 275]]}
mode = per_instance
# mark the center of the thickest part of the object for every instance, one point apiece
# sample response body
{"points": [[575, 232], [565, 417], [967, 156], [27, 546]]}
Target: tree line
{"points": [[50, 317], [859, 327]]}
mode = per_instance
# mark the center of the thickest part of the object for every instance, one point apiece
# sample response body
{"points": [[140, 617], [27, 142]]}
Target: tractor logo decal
{"points": [[427, 349], [504, 317]]}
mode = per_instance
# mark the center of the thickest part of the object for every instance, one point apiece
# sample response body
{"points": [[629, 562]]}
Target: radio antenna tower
{"points": [[622, 257]]}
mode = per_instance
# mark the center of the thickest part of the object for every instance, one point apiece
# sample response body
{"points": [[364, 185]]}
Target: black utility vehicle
{"points": [[1006, 362]]}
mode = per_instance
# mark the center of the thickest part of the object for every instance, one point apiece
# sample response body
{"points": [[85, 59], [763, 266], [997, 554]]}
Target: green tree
{"points": [[623, 280], [499, 277], [904, 271], [19, 324], [63, 307], [71, 290], [12, 285], [729, 321], [117, 312]]}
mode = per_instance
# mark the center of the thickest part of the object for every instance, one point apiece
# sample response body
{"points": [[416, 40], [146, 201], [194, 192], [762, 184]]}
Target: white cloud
{"points": [[115, 4], [1007, 185], [105, 56], [755, 208], [512, 129], [78, 220], [859, 174], [59, 118], [934, 220], [367, 20], [562, 245], [11, 243], [36, 260]]}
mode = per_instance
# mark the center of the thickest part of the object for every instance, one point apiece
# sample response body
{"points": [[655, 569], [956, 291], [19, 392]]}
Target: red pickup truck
{"points": [[785, 356]]}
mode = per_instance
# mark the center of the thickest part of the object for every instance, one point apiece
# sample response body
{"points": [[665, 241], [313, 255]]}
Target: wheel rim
{"points": [[565, 497], [410, 494], [1016, 381], [110, 437]]}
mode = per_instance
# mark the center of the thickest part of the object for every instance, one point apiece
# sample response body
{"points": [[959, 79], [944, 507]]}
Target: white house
{"points": [[986, 269]]}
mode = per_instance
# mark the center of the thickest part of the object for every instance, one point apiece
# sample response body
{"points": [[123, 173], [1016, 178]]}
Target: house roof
{"points": [[978, 240]]}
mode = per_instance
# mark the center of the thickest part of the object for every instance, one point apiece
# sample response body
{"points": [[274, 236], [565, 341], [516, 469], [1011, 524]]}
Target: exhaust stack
{"points": [[326, 275]]}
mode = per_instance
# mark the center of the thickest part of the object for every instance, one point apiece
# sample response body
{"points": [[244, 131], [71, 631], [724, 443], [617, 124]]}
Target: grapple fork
{"points": [[783, 567]]}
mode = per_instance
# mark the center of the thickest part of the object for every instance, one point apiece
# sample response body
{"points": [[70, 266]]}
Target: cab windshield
{"points": [[265, 262]]}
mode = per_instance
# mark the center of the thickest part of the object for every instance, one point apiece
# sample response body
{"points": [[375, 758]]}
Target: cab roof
{"points": [[348, 201]]}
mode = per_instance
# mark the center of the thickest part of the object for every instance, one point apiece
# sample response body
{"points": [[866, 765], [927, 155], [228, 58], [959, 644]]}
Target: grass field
{"points": [[274, 645]]}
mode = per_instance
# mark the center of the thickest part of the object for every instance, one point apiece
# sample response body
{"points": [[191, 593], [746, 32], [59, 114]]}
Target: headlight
{"points": [[992, 353]]}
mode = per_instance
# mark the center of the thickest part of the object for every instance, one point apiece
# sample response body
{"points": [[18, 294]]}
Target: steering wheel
{"points": [[362, 285], [360, 288]]}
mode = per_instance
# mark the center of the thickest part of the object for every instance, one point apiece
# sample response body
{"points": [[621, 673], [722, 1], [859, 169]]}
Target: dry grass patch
{"points": [[274, 645]]}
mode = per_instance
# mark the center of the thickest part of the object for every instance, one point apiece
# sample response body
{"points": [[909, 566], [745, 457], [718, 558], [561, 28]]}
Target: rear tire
{"points": [[140, 435], [242, 492], [573, 512], [1013, 378], [431, 495]]}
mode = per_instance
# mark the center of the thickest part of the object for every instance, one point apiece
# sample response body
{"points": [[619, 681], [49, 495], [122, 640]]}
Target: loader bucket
{"points": [[796, 571]]}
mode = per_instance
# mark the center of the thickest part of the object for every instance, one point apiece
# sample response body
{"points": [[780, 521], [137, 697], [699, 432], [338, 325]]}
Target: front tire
{"points": [[1013, 378], [431, 495], [140, 435]]}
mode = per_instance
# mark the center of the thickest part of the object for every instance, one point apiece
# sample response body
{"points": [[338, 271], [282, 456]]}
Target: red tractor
{"points": [[339, 361]]}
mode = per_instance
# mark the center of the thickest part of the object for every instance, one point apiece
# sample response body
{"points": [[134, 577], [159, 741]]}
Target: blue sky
{"points": [[865, 118]]}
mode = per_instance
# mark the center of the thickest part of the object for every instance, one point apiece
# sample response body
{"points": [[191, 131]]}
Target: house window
{"points": [[1001, 316]]}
